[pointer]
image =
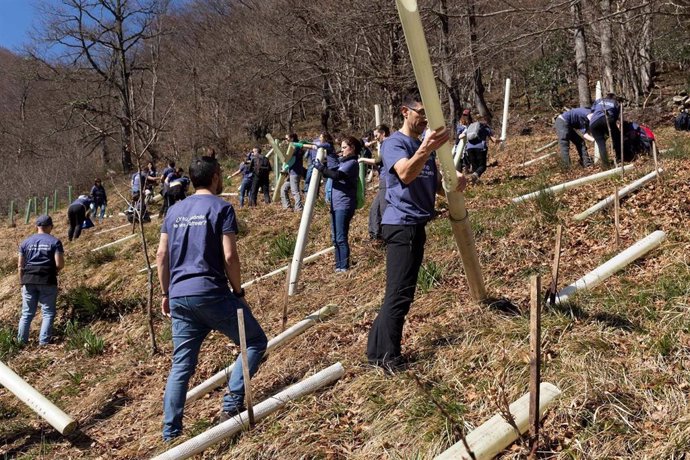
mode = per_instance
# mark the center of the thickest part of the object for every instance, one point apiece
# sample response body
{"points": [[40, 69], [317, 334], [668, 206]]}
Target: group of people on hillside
{"points": [[173, 186]]}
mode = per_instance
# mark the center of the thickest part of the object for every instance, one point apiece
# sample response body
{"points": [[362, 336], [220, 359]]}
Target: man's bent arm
{"points": [[232, 261], [408, 169], [59, 261]]}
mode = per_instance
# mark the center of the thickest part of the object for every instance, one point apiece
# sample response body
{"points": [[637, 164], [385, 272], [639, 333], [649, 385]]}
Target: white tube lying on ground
{"points": [[506, 103], [280, 270], [264, 409], [601, 273], [229, 194], [494, 435], [538, 159], [549, 145], [128, 237], [36, 401], [113, 229], [574, 183], [304, 224], [220, 377], [608, 201]]}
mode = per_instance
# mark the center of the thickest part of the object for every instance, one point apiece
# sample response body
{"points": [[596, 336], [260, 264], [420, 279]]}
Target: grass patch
{"points": [[98, 258], [679, 149], [548, 206], [8, 266], [430, 275], [85, 302], [282, 247], [9, 345], [83, 338]]}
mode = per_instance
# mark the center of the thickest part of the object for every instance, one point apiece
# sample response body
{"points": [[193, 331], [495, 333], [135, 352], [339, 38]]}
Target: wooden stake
{"points": [[616, 217], [553, 287], [656, 161], [534, 361], [286, 298], [245, 367], [622, 149]]}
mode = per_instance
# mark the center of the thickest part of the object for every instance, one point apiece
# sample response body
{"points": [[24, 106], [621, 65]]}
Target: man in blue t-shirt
{"points": [[412, 181], [571, 126], [41, 257], [197, 257]]}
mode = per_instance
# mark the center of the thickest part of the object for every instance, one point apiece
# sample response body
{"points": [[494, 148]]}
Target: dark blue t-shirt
{"points": [[603, 106], [195, 228], [83, 200], [39, 259], [577, 118], [297, 166], [344, 194], [413, 203], [247, 172]]}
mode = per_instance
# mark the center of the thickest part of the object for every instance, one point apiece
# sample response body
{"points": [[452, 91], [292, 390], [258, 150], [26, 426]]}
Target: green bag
{"points": [[361, 185]]}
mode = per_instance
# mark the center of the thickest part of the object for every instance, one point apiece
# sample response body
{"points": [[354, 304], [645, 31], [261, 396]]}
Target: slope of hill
{"points": [[619, 353]]}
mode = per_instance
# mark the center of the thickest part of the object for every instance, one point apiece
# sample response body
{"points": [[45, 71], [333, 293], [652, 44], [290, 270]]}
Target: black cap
{"points": [[44, 221]]}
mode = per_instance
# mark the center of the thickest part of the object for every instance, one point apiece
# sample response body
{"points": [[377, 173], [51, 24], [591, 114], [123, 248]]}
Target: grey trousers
{"points": [[566, 135], [291, 185]]}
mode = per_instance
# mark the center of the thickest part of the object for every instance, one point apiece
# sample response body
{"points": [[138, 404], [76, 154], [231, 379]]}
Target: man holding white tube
{"points": [[412, 182]]}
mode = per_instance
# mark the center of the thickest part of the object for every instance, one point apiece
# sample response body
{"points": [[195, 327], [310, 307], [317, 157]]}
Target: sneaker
{"points": [[225, 415], [392, 366], [474, 178]]}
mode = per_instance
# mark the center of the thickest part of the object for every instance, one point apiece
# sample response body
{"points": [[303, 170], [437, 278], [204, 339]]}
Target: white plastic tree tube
{"points": [[264, 409], [377, 119], [458, 154], [608, 201], [220, 377], [601, 273], [457, 213], [547, 146], [121, 240], [107, 230], [281, 177], [506, 103], [574, 183], [494, 435], [304, 224], [280, 270], [538, 159], [36, 401], [597, 95]]}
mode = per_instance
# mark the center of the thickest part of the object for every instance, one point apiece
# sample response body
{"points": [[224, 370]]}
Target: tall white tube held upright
{"points": [[457, 213], [304, 224], [597, 95], [36, 401], [506, 103], [233, 426]]}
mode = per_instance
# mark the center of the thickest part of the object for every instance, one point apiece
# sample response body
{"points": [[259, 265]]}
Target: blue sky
{"points": [[16, 19]]}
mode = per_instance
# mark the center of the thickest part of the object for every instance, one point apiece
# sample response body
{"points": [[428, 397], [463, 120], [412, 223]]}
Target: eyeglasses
{"points": [[419, 112]]}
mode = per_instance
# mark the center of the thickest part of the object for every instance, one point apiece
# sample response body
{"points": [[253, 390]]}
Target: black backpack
{"points": [[682, 121]]}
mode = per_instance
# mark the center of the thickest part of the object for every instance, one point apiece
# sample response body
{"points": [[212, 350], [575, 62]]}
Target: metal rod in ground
{"points": [[245, 367], [616, 217], [28, 211], [553, 287], [534, 361], [286, 298], [55, 200], [622, 132]]}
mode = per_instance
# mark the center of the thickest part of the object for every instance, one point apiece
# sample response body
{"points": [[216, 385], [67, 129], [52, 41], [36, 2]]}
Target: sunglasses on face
{"points": [[419, 112]]}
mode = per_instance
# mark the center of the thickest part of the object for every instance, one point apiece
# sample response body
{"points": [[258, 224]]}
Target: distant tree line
{"points": [[105, 81]]}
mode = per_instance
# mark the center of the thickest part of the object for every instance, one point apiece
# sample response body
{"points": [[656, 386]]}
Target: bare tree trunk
{"points": [[479, 100], [448, 77], [581, 56], [647, 64], [606, 53], [325, 103]]}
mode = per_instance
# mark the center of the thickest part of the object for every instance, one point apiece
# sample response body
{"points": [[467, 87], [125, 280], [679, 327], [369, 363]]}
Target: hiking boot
{"points": [[225, 415], [474, 178]]}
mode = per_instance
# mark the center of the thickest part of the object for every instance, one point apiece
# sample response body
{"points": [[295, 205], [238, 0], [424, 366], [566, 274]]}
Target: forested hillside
{"points": [[106, 85]]}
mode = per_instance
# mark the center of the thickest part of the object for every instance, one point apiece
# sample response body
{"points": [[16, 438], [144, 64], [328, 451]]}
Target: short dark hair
{"points": [[411, 97], [206, 151], [257, 148], [293, 137], [327, 137], [201, 171], [355, 143], [171, 163], [384, 129]]}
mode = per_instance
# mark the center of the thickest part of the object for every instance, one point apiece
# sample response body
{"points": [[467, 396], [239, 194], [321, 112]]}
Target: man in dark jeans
{"points": [[198, 265], [77, 213], [413, 180]]}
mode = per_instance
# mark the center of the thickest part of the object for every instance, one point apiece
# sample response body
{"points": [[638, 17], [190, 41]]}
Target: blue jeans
{"points": [[95, 208], [245, 188], [307, 178], [340, 227], [192, 319], [32, 296]]}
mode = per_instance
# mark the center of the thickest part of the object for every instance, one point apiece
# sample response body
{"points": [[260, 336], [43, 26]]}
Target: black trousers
{"points": [[378, 206], [477, 160], [600, 132], [76, 214], [404, 254], [257, 182]]}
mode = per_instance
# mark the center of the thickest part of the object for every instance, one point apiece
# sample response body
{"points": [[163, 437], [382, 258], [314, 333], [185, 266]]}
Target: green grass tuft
{"points": [[430, 275], [282, 247], [83, 338], [98, 258], [9, 345]]}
